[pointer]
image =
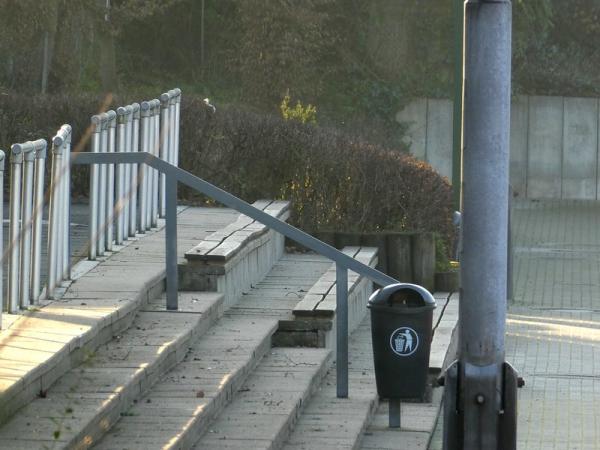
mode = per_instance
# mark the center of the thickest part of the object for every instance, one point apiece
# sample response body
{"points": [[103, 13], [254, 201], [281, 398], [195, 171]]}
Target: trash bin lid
{"points": [[405, 297]]}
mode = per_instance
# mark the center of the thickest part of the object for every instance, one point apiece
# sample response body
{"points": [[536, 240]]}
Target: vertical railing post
{"points": [[103, 176], [144, 169], [110, 186], [135, 147], [2, 296], [164, 149], [156, 152], [38, 213], [172, 107], [16, 175], [94, 187], [65, 230], [26, 223], [177, 125], [127, 171], [341, 316], [171, 241], [120, 175]]}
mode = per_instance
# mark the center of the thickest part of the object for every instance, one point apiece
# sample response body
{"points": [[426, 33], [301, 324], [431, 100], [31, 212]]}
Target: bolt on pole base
{"points": [[493, 424]]}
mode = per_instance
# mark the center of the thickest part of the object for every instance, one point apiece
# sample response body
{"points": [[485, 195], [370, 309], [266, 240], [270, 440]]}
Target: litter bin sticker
{"points": [[404, 341]]}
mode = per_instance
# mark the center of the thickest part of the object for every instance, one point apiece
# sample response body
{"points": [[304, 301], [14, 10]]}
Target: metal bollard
{"points": [[172, 107], [144, 172], [103, 175], [2, 297], [127, 171], [120, 175], [14, 232], [26, 216], [58, 216], [177, 125], [164, 149], [156, 151], [110, 186], [135, 144], [38, 212], [66, 205], [94, 189]]}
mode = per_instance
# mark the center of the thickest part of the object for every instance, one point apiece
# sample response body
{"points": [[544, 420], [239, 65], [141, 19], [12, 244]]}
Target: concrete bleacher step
{"points": [[267, 406], [86, 401], [38, 346], [175, 413]]}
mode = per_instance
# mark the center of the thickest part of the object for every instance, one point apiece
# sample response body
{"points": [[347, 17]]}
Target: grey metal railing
{"points": [[59, 248], [25, 224], [173, 175], [126, 199]]}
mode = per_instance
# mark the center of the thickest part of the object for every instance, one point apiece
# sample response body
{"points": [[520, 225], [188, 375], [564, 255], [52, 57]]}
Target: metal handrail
{"points": [[172, 175]]}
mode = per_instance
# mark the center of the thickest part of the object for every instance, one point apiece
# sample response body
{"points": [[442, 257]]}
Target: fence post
{"points": [[156, 152], [120, 174], [2, 297], [177, 125], [38, 213], [102, 194], [171, 242], [110, 187], [164, 148], [341, 317], [66, 202], [144, 169], [135, 147], [26, 223], [16, 175], [94, 186], [127, 171], [172, 107]]}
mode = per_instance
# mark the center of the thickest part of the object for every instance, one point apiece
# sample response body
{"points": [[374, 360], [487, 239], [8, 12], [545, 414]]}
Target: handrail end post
{"points": [[341, 299], [171, 243]]}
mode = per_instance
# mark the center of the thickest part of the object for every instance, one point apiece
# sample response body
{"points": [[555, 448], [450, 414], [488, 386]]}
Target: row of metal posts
{"points": [[26, 209], [126, 199]]}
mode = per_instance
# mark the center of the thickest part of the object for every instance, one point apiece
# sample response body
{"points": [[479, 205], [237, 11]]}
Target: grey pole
{"points": [[94, 187], [481, 415], [103, 175], [341, 307], [2, 296], [55, 214], [120, 175], [135, 144], [38, 212], [172, 107], [171, 242], [156, 179], [164, 149], [177, 125], [65, 273], [127, 171], [144, 171], [110, 187], [16, 174], [26, 222]]}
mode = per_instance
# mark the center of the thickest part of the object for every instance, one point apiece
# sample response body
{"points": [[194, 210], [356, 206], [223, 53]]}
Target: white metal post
{"points": [[120, 175], [103, 174], [135, 144], [16, 174], [156, 152], [2, 296], [94, 187], [38, 213], [164, 149], [110, 187], [144, 171], [26, 223]]}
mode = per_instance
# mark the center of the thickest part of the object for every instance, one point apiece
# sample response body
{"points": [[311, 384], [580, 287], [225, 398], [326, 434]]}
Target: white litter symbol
{"points": [[404, 341]]}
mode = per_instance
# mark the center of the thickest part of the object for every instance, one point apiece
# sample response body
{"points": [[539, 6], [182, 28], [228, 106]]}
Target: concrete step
{"points": [[38, 346], [86, 401], [267, 406], [176, 412]]}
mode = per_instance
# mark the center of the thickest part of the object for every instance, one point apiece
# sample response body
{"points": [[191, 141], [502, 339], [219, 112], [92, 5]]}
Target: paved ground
{"points": [[553, 329]]}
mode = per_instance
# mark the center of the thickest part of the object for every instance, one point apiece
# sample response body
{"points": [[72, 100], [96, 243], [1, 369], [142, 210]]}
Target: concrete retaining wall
{"points": [[554, 143]]}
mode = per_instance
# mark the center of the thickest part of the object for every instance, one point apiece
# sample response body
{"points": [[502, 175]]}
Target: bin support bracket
{"points": [[495, 424], [394, 413]]}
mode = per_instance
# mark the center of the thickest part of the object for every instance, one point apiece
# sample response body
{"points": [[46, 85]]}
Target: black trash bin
{"points": [[401, 316]]}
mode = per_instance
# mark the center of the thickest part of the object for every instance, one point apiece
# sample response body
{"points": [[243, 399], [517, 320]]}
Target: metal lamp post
{"points": [[480, 405]]}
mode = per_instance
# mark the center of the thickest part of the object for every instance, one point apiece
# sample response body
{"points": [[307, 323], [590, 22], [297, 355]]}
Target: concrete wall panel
{"points": [[414, 116], [545, 147], [518, 144], [580, 148], [439, 136]]}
